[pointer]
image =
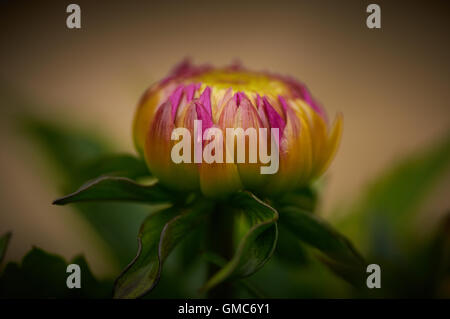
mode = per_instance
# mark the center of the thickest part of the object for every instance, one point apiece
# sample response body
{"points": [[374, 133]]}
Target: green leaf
{"points": [[289, 248], [159, 234], [310, 280], [245, 283], [44, 275], [352, 273], [116, 188], [317, 233], [4, 240], [258, 243], [340, 255], [91, 287]]}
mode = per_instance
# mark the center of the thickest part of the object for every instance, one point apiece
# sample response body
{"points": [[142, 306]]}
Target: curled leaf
{"points": [[159, 234]]}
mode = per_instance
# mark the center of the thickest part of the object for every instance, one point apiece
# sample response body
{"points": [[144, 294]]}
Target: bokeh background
{"points": [[392, 86]]}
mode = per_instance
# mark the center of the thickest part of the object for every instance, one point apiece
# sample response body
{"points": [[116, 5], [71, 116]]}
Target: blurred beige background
{"points": [[391, 84]]}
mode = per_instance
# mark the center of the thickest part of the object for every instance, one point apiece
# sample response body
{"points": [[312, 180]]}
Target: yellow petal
{"points": [[183, 176], [143, 117], [333, 141]]}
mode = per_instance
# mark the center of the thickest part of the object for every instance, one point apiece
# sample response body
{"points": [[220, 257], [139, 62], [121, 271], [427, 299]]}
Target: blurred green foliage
{"points": [[78, 156], [383, 223], [390, 203]]}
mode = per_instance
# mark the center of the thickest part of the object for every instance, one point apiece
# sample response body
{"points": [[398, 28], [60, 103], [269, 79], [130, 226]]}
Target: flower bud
{"points": [[223, 130]]}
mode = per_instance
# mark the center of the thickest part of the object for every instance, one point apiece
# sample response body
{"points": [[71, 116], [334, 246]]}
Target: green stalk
{"points": [[220, 242]]}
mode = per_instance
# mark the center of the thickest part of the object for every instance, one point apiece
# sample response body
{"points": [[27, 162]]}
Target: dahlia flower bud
{"points": [[201, 110]]}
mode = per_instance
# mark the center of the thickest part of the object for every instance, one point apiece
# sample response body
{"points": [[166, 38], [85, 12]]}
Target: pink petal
{"points": [[175, 100], [205, 100], [275, 120], [189, 90], [204, 116]]}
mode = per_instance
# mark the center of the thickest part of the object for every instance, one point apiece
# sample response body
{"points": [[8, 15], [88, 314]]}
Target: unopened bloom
{"points": [[234, 97]]}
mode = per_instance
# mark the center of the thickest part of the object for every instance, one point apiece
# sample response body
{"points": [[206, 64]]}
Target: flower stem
{"points": [[220, 242]]}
